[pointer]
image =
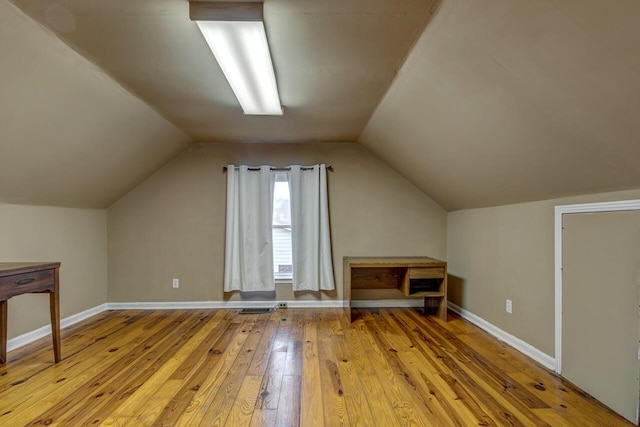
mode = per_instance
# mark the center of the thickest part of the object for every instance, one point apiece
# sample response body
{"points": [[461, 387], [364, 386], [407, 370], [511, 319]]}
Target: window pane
{"points": [[281, 209], [282, 263]]}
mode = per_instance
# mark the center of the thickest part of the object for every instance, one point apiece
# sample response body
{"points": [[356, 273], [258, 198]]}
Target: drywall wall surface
{"points": [[508, 252], [173, 224], [75, 237], [69, 134], [513, 101]]}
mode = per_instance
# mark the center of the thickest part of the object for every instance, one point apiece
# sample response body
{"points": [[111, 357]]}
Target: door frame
{"points": [[560, 210]]}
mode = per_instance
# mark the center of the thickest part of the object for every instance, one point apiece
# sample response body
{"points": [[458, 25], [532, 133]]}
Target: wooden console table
{"points": [[415, 277], [17, 278]]}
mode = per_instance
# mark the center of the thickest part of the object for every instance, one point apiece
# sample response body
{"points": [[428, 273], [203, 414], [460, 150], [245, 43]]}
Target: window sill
{"points": [[288, 281]]}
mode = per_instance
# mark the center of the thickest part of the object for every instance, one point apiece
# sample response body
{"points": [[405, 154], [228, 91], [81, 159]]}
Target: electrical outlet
{"points": [[282, 305], [509, 306], [176, 283]]}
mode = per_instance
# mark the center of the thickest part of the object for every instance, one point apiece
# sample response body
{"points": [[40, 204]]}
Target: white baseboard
{"points": [[522, 346], [387, 303], [511, 340], [42, 332], [221, 304]]}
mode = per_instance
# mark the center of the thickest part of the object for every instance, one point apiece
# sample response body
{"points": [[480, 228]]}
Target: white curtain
{"points": [[310, 240], [248, 264]]}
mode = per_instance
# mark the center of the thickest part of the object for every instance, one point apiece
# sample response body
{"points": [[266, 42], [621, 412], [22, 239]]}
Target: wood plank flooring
{"points": [[295, 367]]}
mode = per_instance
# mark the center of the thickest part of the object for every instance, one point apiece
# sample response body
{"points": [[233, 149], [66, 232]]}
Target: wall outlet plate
{"points": [[282, 305], [176, 283], [509, 306]]}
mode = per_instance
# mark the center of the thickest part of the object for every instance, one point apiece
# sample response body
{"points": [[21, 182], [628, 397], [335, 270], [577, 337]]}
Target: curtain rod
{"points": [[329, 168]]}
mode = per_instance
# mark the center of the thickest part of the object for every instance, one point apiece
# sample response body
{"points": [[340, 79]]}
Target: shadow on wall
{"points": [[283, 292], [251, 296], [455, 286]]}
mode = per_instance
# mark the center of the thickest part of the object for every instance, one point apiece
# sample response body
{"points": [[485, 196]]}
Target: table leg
{"points": [[3, 332], [54, 308]]}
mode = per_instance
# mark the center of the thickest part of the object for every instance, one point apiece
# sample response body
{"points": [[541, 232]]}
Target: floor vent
{"points": [[255, 310]]}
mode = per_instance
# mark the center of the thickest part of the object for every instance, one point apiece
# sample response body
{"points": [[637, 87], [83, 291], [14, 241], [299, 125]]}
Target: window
{"points": [[249, 265], [281, 228]]}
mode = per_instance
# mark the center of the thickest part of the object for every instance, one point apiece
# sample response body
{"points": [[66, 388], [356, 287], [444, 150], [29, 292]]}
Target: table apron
{"points": [[18, 284]]}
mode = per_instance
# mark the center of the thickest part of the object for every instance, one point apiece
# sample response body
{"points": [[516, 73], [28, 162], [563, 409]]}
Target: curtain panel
{"points": [[249, 242], [249, 238], [310, 237]]}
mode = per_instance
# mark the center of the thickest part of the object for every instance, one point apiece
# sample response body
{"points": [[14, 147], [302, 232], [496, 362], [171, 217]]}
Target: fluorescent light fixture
{"points": [[240, 47]]}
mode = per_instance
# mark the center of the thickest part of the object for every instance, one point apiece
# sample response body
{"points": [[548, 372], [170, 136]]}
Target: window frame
{"points": [[282, 277]]}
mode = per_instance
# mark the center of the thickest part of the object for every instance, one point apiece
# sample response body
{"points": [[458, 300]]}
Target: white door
{"points": [[600, 295]]}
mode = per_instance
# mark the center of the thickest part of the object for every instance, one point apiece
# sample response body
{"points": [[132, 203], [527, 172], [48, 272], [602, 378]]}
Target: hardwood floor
{"points": [[293, 367]]}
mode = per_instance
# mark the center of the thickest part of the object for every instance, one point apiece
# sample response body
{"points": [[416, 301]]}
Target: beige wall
{"points": [[71, 135], [75, 237], [486, 112], [172, 225], [508, 252]]}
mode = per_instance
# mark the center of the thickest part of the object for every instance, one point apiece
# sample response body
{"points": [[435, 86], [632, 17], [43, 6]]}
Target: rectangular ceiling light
{"points": [[235, 34]]}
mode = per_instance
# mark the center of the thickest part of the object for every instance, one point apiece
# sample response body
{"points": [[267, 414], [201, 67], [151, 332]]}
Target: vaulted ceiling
{"points": [[477, 103], [334, 61], [508, 101]]}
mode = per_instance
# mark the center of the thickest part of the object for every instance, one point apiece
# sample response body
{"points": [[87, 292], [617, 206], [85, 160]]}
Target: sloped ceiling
{"points": [[69, 134], [515, 100], [499, 101], [334, 61]]}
